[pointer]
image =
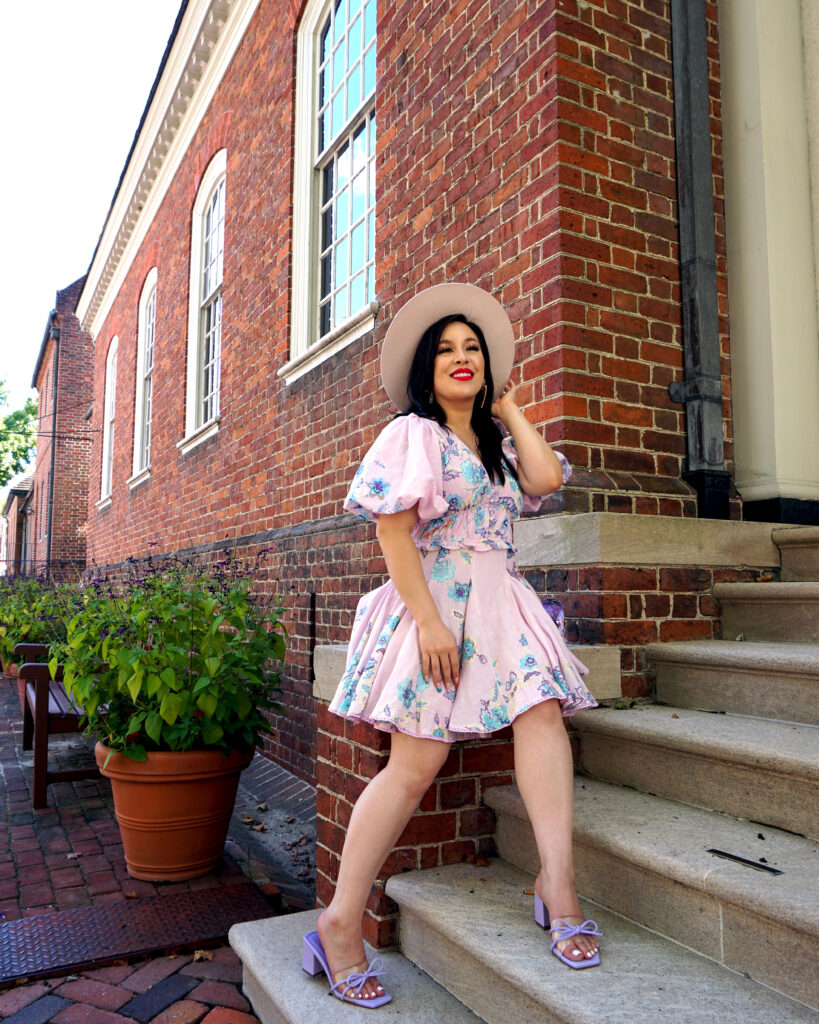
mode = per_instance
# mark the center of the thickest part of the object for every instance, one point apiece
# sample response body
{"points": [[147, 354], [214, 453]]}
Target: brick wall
{"points": [[545, 175], [72, 443]]}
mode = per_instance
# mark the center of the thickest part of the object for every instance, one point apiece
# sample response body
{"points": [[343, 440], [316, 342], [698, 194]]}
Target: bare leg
{"points": [[544, 772], [378, 819]]}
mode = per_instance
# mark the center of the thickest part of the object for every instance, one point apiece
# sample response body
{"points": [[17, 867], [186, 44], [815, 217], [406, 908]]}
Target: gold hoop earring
{"points": [[485, 390]]}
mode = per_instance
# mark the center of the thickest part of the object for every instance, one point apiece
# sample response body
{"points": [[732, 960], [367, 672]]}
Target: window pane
{"points": [[357, 292], [339, 66], [327, 190], [357, 243], [341, 312], [340, 19], [369, 21], [354, 42], [359, 195], [343, 213], [324, 319], [370, 283], [343, 164], [327, 228], [369, 71], [324, 42], [354, 91], [355, 7], [338, 112], [340, 261], [326, 276], [324, 85]]}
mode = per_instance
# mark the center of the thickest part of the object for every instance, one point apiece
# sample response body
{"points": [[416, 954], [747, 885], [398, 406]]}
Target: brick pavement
{"points": [[69, 854], [166, 990]]}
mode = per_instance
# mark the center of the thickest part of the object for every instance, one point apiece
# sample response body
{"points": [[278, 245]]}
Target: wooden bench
{"points": [[23, 653], [48, 711]]}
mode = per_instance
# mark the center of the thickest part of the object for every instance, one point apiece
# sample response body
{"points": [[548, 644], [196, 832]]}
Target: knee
{"points": [[545, 716]]}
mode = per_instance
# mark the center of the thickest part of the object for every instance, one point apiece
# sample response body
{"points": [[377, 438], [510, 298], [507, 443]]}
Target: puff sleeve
{"points": [[531, 503], [403, 468]]}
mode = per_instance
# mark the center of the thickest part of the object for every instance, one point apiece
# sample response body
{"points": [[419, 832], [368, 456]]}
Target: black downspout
{"points": [[54, 332], [701, 392]]}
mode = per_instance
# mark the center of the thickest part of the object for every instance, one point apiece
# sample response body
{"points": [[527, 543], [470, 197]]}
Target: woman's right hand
{"points": [[439, 654]]}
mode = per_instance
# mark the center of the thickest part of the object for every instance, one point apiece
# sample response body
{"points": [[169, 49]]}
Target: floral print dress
{"points": [[511, 653]]}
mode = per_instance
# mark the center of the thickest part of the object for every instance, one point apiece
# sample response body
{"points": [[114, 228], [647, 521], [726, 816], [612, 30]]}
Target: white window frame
{"points": [[143, 403], [109, 417], [196, 430], [307, 350]]}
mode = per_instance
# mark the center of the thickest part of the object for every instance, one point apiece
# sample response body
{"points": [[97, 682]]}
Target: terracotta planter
{"points": [[174, 809], [10, 669]]}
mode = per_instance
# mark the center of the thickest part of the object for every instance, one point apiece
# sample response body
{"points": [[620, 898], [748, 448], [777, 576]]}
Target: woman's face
{"points": [[458, 371]]}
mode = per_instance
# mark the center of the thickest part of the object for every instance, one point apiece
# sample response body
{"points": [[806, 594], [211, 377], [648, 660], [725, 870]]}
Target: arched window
{"points": [[109, 413], [143, 406], [205, 308], [334, 181]]}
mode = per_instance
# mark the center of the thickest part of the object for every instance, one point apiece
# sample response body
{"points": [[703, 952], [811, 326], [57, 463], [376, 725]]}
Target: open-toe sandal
{"points": [[314, 960], [561, 930]]}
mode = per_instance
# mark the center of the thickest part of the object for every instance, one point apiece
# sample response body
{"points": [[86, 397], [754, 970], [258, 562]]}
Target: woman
{"points": [[456, 644]]}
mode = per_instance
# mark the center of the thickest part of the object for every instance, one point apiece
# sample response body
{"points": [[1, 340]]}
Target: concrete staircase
{"points": [[696, 828]]}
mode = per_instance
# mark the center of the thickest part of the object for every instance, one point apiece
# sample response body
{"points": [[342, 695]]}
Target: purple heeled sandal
{"points": [[314, 960], [563, 930]]}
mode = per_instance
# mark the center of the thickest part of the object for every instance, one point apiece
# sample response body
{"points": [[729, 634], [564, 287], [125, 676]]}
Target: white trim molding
{"points": [[343, 336], [207, 39], [191, 441], [139, 478]]}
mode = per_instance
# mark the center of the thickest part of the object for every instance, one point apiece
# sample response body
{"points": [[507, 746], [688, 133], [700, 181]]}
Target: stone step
{"points": [[799, 547], [782, 612], [282, 993], [748, 767], [471, 928], [767, 680], [648, 859]]}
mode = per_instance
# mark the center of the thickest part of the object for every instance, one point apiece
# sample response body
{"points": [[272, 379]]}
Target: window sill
{"points": [[139, 478], [330, 344], [104, 503], [199, 435]]}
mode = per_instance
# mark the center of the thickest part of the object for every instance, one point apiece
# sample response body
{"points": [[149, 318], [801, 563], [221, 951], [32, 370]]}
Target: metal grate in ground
{"points": [[51, 944]]}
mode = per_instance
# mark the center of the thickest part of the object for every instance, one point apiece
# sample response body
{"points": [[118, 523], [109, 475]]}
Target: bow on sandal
{"points": [[314, 960], [561, 931]]}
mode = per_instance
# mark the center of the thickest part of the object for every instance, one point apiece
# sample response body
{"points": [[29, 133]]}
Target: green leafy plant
{"points": [[177, 656], [34, 611]]}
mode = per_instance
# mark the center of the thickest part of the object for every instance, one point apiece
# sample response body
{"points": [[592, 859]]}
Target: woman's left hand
{"points": [[503, 405]]}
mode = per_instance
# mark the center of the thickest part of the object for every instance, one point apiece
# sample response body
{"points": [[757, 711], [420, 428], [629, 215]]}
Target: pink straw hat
{"points": [[415, 316]]}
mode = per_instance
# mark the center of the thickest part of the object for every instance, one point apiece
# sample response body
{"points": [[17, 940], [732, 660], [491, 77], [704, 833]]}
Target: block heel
{"points": [[309, 960], [314, 961]]}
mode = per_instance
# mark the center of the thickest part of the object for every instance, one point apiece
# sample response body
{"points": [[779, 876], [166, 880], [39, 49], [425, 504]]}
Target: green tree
{"points": [[18, 437]]}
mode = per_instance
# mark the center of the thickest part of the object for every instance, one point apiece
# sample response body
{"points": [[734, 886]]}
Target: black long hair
{"points": [[422, 400]]}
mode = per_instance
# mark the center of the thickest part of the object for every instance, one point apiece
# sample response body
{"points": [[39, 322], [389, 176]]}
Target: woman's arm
{"points": [[439, 650], [539, 469]]}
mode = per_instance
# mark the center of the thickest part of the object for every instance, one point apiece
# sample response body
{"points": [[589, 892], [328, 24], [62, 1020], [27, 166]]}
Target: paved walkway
{"points": [[69, 855]]}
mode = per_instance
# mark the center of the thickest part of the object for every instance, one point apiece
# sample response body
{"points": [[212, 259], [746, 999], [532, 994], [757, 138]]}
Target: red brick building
{"points": [[301, 170], [17, 548], [59, 501]]}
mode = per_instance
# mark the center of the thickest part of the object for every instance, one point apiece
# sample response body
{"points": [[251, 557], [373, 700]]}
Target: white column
{"points": [[772, 283]]}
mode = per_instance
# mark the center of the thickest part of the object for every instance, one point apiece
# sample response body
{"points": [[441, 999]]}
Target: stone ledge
{"points": [[611, 538], [603, 663]]}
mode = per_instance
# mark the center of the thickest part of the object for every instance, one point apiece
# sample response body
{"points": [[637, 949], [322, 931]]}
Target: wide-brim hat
{"points": [[423, 310]]}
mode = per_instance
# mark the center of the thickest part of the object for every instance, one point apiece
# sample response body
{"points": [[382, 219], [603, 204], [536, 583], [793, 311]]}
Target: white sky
{"points": [[74, 78]]}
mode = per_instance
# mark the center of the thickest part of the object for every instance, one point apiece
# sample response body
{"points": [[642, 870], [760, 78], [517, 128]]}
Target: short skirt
{"points": [[511, 653]]}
